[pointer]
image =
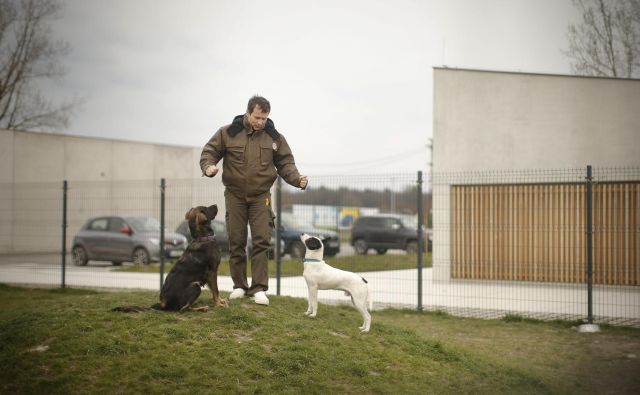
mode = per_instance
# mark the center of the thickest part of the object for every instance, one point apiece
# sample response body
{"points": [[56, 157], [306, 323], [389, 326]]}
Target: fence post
{"points": [[64, 231], [589, 327], [162, 190], [590, 245], [420, 240], [278, 235]]}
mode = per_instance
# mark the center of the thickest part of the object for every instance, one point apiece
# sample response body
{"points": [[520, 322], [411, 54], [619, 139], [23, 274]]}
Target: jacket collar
{"points": [[238, 125]]}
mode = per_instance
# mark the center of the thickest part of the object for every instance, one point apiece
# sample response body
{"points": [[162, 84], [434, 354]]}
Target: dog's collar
{"points": [[205, 238], [312, 260]]}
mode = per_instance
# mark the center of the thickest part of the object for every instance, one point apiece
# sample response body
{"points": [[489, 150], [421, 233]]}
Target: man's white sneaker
{"points": [[237, 293], [261, 298]]}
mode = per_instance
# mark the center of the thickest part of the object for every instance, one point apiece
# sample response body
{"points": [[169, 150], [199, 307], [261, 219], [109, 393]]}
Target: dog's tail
{"points": [[137, 309], [130, 309]]}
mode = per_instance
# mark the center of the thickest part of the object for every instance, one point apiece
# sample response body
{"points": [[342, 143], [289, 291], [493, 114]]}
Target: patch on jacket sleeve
{"points": [[274, 146]]}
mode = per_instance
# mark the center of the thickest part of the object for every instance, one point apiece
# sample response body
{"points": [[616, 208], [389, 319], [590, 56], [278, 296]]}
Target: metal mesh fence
{"points": [[514, 242], [493, 243], [332, 206]]}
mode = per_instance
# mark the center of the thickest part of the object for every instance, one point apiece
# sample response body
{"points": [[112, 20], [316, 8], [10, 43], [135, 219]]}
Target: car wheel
{"points": [[361, 247], [79, 256], [297, 249], [140, 256], [381, 251], [412, 247], [116, 263]]}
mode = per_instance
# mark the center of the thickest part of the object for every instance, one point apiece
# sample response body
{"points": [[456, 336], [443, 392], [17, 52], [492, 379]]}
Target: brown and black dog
{"points": [[197, 266]]}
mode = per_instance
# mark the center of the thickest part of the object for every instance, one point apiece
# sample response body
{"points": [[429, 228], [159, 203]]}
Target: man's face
{"points": [[257, 118]]}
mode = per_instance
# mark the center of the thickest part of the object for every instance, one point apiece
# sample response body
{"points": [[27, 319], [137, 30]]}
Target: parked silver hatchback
{"points": [[124, 239]]}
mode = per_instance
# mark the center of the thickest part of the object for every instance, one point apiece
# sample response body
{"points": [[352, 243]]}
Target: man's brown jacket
{"points": [[251, 158]]}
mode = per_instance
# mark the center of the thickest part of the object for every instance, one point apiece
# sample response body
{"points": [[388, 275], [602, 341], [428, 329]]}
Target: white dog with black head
{"points": [[319, 275]]}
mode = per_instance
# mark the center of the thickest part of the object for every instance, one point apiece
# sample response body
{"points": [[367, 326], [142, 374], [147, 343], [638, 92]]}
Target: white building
{"points": [[510, 157]]}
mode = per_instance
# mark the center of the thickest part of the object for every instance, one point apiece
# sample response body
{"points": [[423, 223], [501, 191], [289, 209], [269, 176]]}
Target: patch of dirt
{"points": [[42, 347], [241, 338], [339, 335], [560, 356], [611, 364]]}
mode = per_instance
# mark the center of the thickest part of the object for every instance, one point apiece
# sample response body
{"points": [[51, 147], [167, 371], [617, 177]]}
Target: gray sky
{"points": [[350, 82]]}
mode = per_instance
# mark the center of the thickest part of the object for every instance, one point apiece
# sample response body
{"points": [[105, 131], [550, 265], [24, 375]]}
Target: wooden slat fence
{"points": [[536, 232]]}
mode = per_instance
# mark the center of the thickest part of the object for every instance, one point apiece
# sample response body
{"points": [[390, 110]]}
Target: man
{"points": [[253, 151]]}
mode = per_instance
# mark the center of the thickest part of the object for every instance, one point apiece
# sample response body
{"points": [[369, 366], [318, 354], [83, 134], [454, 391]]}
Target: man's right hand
{"points": [[211, 171]]}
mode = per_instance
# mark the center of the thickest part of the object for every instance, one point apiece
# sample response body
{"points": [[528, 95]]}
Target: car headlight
{"points": [[154, 241]]}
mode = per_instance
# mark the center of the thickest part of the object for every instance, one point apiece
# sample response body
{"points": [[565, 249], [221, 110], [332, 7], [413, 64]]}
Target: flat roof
{"points": [[533, 73]]}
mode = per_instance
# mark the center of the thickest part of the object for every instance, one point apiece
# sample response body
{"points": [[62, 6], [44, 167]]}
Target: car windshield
{"points": [[144, 224]]}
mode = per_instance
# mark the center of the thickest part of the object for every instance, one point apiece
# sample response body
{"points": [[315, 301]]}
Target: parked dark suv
{"points": [[382, 233], [293, 227]]}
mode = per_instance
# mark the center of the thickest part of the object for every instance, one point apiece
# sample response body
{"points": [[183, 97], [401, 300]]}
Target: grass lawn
{"points": [[294, 267], [68, 341]]}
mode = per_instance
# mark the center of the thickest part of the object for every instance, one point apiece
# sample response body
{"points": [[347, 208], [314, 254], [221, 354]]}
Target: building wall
{"points": [[491, 120], [497, 127], [45, 157], [104, 176]]}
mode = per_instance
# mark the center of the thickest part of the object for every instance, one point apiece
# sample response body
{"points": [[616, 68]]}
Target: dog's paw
{"points": [[222, 303], [201, 309]]}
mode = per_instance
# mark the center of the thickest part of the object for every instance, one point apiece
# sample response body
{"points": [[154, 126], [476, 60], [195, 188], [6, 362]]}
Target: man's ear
{"points": [[212, 211], [313, 243]]}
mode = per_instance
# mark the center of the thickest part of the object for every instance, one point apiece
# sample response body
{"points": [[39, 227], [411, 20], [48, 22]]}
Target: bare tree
{"points": [[606, 42], [27, 57]]}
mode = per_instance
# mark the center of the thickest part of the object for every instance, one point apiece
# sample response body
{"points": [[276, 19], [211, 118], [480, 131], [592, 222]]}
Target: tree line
{"points": [[386, 200]]}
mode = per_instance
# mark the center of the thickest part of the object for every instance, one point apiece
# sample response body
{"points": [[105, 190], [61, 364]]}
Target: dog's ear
{"points": [[212, 211], [313, 243], [188, 214]]}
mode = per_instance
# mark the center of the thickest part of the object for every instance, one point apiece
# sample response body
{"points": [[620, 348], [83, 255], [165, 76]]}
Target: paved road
{"points": [[45, 269], [487, 299], [56, 258]]}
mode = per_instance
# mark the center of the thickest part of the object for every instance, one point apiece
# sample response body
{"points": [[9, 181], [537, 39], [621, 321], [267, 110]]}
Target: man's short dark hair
{"points": [[259, 101]]}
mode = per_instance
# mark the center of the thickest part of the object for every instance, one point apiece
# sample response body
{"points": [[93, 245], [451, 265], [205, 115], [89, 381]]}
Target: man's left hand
{"points": [[303, 182]]}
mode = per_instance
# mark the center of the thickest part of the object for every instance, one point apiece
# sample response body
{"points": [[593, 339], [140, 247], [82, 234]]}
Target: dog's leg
{"points": [[313, 301], [360, 302], [191, 294], [212, 282], [308, 299]]}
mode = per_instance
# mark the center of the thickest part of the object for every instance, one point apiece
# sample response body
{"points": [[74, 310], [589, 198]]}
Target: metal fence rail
{"points": [[504, 242]]}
